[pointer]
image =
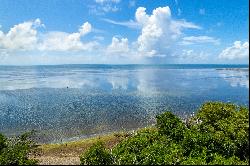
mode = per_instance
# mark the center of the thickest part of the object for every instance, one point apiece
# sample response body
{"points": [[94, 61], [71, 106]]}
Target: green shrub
{"points": [[130, 150], [211, 112], [195, 158], [228, 125], [15, 151], [217, 134], [96, 155], [220, 160], [2, 142], [194, 142], [166, 153], [170, 125]]}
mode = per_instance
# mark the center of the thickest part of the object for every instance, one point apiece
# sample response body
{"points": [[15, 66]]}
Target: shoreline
{"points": [[68, 152], [84, 137]]}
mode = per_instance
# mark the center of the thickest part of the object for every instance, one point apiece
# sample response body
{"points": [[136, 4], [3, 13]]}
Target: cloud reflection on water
{"points": [[236, 78], [141, 80], [101, 99]]}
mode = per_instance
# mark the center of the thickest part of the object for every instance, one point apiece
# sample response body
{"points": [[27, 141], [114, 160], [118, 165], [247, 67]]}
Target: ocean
{"points": [[68, 102]]}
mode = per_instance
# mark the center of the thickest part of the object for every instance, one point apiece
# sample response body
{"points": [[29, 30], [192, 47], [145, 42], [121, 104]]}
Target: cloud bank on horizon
{"points": [[159, 37]]}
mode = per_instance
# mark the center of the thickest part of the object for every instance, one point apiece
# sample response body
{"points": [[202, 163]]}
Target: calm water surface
{"points": [[71, 101]]}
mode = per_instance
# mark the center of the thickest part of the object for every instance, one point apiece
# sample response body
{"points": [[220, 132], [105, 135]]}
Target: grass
{"points": [[77, 147], [69, 152]]}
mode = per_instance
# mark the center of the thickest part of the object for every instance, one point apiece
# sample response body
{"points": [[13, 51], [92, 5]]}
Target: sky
{"points": [[37, 32]]}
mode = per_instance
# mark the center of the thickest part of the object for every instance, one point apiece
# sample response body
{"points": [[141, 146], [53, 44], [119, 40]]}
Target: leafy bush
{"points": [[15, 151], [162, 153], [218, 134], [130, 151], [228, 127], [96, 155], [2, 142], [220, 160], [170, 125]]}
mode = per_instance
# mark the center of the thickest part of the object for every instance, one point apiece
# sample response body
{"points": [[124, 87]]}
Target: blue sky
{"points": [[123, 31]]}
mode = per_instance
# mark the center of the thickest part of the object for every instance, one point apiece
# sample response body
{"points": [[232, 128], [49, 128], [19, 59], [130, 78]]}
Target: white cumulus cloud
{"points": [[24, 36], [85, 28], [21, 36], [118, 46], [62, 41], [159, 34], [237, 51], [159, 31]]}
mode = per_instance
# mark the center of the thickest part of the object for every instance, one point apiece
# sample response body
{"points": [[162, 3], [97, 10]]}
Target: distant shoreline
{"points": [[233, 69]]}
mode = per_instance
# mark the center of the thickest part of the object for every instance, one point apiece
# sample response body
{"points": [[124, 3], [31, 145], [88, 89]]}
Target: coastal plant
{"points": [[96, 155], [2, 142], [16, 150], [170, 125], [217, 134], [130, 151], [228, 128]]}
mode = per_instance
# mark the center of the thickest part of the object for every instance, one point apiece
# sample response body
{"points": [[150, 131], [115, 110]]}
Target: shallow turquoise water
{"points": [[70, 101]]}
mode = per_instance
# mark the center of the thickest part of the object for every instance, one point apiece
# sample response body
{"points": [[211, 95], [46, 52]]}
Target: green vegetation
{"points": [[77, 147], [97, 154], [15, 151], [217, 134]]}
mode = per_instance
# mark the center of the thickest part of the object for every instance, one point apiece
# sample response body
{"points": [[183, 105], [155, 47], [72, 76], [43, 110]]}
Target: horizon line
{"points": [[146, 64]]}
